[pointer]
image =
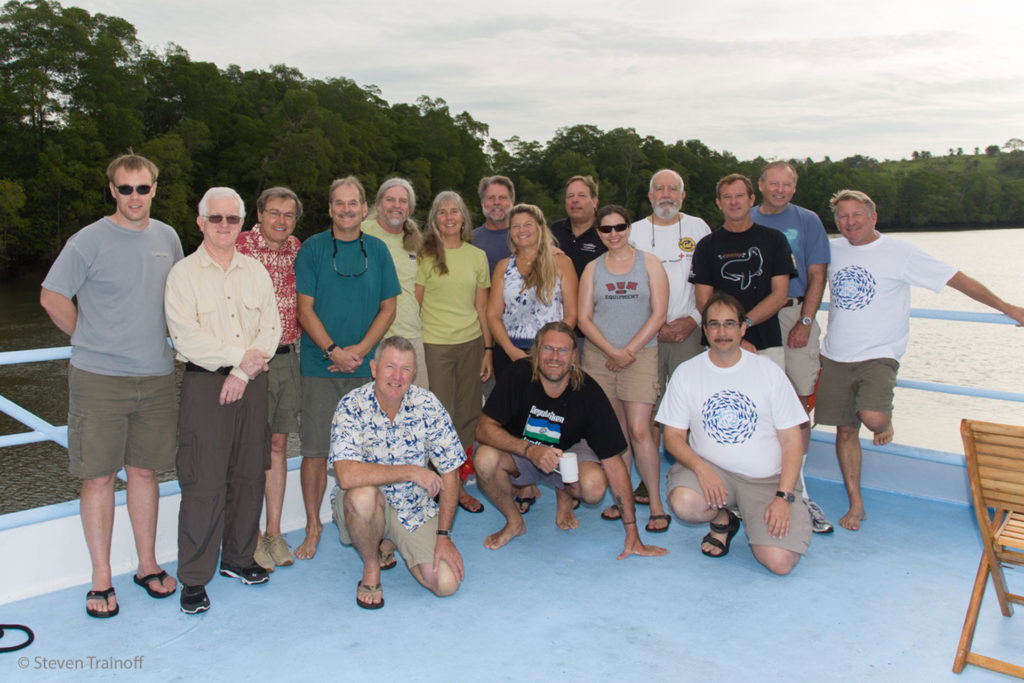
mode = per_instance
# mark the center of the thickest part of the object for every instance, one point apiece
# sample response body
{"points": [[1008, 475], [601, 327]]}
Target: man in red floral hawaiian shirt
{"points": [[271, 243]]}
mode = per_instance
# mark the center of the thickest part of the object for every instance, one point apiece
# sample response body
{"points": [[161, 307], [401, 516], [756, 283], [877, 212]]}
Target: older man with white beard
{"points": [[672, 235]]}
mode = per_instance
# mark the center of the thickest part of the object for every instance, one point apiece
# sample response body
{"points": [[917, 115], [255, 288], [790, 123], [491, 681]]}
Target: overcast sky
{"points": [[782, 79]]}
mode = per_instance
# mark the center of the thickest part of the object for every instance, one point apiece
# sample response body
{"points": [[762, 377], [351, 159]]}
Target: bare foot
{"points": [[469, 503], [852, 519], [495, 541], [565, 518], [307, 549], [883, 437]]}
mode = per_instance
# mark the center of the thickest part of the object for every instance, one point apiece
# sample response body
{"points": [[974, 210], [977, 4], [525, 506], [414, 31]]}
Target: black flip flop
{"points": [[150, 578], [361, 588], [105, 597], [526, 500], [651, 530]]}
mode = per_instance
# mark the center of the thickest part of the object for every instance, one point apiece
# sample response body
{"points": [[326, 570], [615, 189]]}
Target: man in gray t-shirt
{"points": [[122, 407]]}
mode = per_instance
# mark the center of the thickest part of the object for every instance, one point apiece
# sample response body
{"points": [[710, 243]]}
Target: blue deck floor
{"points": [[885, 603]]}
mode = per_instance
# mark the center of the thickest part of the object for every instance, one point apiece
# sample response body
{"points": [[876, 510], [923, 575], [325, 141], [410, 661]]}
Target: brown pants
{"points": [[454, 373], [223, 452]]}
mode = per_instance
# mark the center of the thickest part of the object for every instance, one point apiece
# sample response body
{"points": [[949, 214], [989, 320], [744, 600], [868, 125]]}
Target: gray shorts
{"points": [[416, 547], [320, 396], [116, 420], [753, 496], [803, 364], [530, 474], [847, 388], [283, 392]]}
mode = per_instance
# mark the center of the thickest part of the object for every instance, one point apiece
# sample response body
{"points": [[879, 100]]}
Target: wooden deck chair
{"points": [[995, 468]]}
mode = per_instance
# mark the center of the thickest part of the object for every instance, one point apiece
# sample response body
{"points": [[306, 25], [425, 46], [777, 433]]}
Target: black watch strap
{"points": [[788, 497]]}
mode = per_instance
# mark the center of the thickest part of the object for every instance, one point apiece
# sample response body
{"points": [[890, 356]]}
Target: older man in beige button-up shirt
{"points": [[224, 323]]}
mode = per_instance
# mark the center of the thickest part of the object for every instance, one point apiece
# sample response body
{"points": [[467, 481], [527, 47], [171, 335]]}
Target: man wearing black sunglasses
{"points": [[123, 407]]}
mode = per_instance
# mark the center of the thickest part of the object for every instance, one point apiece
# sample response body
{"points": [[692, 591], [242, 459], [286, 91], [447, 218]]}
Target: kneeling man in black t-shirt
{"points": [[543, 406]]}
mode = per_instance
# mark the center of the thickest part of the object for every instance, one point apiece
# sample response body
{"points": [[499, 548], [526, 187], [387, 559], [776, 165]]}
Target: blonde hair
{"points": [[852, 195], [433, 247], [543, 275]]}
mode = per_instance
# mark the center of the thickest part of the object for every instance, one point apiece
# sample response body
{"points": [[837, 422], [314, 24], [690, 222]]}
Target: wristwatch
{"points": [[748, 321], [806, 320], [327, 351], [788, 497]]}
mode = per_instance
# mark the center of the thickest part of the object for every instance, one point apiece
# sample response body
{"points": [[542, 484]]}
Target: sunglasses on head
{"points": [[217, 218], [618, 227], [128, 189]]}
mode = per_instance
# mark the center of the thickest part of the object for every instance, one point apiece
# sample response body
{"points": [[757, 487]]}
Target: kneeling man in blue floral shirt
{"points": [[383, 437]]}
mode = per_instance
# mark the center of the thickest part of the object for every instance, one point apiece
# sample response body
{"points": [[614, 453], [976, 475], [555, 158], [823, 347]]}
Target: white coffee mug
{"points": [[568, 468]]}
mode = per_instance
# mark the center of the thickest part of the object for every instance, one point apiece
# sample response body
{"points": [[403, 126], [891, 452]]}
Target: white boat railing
{"points": [[44, 431], [41, 429]]}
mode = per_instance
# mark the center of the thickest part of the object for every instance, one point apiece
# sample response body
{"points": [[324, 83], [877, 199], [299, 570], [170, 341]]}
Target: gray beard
{"points": [[666, 213]]}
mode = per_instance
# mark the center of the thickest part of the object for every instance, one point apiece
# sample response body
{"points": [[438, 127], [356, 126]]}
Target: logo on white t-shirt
{"points": [[729, 417], [852, 288]]}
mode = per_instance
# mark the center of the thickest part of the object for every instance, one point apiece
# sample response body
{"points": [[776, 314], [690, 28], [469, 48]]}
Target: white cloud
{"points": [[782, 79]]}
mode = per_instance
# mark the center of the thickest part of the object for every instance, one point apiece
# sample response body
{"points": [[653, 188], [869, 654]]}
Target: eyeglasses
{"points": [[559, 350], [126, 190], [727, 324], [216, 218], [275, 214], [362, 248], [618, 227]]}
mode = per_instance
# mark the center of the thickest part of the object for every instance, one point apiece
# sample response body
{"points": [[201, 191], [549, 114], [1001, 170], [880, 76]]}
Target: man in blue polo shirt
{"points": [[801, 334]]}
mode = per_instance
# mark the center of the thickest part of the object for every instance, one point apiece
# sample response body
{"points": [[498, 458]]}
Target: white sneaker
{"points": [[819, 524]]}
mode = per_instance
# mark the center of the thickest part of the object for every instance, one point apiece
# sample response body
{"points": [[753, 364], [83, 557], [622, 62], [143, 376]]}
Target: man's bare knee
{"points": [[592, 484], [363, 502], [874, 420], [446, 583], [687, 504], [778, 561], [140, 474], [486, 460]]}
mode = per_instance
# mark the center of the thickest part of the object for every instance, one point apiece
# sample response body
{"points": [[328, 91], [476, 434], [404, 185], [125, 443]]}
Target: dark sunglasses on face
{"points": [[126, 190], [217, 218], [618, 227]]}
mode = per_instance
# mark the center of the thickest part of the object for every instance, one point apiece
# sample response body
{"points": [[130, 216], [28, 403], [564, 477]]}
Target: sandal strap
{"points": [[711, 540]]}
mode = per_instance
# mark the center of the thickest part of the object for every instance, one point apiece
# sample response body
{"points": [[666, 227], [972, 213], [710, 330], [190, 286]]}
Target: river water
{"points": [[956, 353]]}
